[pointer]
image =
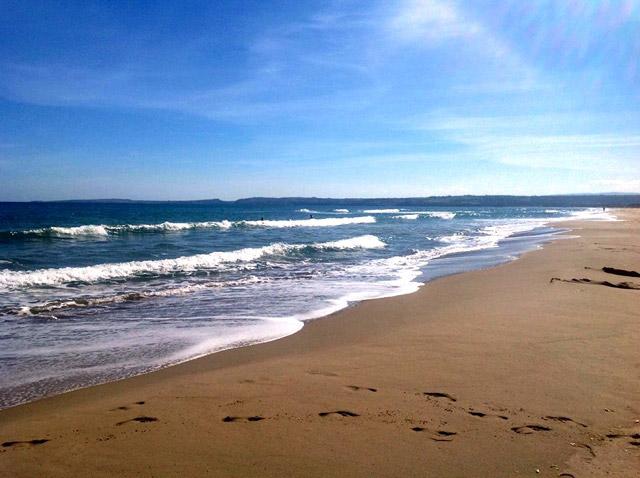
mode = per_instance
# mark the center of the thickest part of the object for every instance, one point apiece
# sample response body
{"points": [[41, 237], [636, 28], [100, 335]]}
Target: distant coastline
{"points": [[561, 200]]}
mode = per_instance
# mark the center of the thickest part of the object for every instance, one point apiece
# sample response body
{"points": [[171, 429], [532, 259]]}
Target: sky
{"points": [[229, 99]]}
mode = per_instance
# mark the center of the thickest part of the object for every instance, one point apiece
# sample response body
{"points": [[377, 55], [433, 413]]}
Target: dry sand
{"points": [[492, 373]]}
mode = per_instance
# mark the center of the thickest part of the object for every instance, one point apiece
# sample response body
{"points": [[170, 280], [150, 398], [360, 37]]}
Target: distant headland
{"points": [[563, 200]]}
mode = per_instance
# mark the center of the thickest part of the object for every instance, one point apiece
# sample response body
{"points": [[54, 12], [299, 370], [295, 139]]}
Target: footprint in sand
{"points": [[528, 429], [141, 419], [255, 418], [635, 437], [442, 435], [586, 447], [439, 435], [342, 413], [355, 388], [126, 407], [475, 413], [320, 372], [563, 420], [440, 395], [37, 441]]}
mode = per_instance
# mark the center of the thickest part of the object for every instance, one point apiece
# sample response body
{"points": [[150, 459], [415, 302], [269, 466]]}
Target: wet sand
{"points": [[517, 370]]}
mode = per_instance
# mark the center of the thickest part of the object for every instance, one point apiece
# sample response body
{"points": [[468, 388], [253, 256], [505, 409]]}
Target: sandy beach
{"points": [[516, 370]]}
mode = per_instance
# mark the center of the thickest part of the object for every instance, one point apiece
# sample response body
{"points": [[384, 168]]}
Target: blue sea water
{"points": [[93, 292]]}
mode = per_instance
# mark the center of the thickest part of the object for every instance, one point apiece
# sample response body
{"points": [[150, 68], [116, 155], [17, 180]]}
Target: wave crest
{"points": [[180, 265], [106, 230]]}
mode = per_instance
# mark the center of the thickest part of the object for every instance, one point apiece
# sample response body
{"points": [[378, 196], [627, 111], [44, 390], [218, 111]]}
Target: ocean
{"points": [[95, 292]]}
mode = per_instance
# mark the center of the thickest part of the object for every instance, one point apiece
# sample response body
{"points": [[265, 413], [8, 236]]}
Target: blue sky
{"points": [[186, 100]]}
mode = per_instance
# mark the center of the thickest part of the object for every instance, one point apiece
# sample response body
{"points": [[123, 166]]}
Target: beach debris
{"points": [[620, 272], [585, 280]]}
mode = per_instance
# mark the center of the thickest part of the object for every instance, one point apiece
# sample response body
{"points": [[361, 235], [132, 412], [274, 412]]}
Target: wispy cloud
{"points": [[540, 141], [431, 21], [336, 59], [617, 185]]}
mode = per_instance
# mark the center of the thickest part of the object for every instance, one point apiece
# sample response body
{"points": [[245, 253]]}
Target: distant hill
{"points": [[577, 200], [134, 201], [560, 200]]}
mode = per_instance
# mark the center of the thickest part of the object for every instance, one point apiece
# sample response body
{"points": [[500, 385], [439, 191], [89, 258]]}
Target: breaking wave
{"points": [[441, 214], [106, 230], [404, 214], [325, 222], [82, 302], [381, 211], [180, 265]]}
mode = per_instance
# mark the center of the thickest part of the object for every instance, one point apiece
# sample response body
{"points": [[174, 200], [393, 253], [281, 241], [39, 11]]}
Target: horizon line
{"points": [[302, 198]]}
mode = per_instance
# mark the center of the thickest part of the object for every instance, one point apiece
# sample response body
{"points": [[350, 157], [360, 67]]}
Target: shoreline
{"points": [[390, 345], [532, 242]]}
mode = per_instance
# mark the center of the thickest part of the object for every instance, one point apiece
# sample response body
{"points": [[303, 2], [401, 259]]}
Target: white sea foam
{"points": [[406, 214], [172, 226], [407, 268], [381, 211], [361, 242], [105, 230], [441, 214], [263, 329], [325, 222], [92, 301], [89, 230], [594, 214], [341, 211], [186, 264]]}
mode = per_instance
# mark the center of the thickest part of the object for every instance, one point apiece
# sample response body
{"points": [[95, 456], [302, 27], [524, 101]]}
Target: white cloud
{"points": [[431, 20], [617, 185]]}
